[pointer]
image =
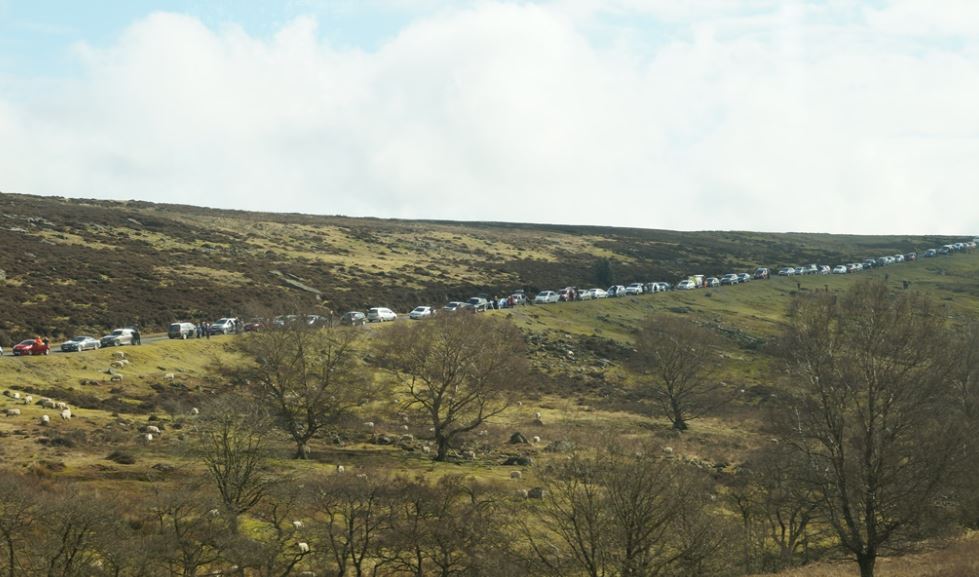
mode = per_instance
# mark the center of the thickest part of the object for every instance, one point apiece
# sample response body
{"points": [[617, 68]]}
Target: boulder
{"points": [[518, 461], [518, 439], [536, 493]]}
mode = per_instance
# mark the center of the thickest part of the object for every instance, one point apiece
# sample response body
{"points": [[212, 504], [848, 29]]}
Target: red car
{"points": [[31, 347]]}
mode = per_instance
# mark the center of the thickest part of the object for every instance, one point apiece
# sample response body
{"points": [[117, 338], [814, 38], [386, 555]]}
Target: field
{"points": [[82, 266]]}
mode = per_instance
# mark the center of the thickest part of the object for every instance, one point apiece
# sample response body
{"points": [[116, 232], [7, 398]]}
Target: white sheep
{"points": [[45, 419], [668, 450], [13, 412], [297, 525], [515, 474], [148, 437], [404, 427], [369, 425], [535, 439], [362, 476], [537, 416], [16, 396], [340, 469], [483, 433], [60, 405], [195, 411], [66, 415], [426, 448], [169, 376], [28, 400], [153, 429], [303, 547]]}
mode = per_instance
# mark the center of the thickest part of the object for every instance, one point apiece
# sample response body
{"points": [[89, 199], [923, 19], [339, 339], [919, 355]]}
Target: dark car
{"points": [[31, 347], [911, 256], [353, 319], [761, 273], [254, 325]]}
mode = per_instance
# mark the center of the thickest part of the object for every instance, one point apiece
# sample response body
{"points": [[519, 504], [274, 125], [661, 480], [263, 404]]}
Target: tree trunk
{"points": [[679, 424], [302, 450], [867, 562], [442, 452]]}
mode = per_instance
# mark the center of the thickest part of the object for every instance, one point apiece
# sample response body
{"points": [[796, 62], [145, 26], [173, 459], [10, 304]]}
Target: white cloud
{"points": [[785, 116]]}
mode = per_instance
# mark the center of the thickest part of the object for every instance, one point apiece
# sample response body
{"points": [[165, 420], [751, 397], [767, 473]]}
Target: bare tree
{"points": [[459, 369], [270, 548], [624, 516], [873, 416], [351, 513], [189, 534], [308, 377], [18, 508], [676, 359], [231, 442]]}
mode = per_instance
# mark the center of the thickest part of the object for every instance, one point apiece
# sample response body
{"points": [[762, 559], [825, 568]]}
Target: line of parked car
{"points": [[233, 325], [520, 297]]}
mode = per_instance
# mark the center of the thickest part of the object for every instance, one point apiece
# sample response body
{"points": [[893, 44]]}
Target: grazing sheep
{"points": [[61, 405], [369, 425], [483, 433], [515, 474], [118, 355], [537, 416], [426, 448], [404, 427], [535, 439], [195, 411], [523, 493], [303, 547], [214, 512], [340, 469], [148, 437], [297, 525], [28, 400], [15, 396], [169, 376], [116, 364], [362, 476], [153, 429], [668, 450], [66, 415], [45, 419], [116, 378], [13, 412]]}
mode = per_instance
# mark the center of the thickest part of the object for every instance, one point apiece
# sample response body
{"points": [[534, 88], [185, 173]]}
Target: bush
{"points": [[121, 457]]}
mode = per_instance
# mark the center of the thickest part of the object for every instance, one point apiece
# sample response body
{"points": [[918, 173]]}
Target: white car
{"points": [[224, 326], [421, 313], [686, 285], [544, 297], [634, 289], [598, 293], [616, 291], [380, 314], [840, 269]]}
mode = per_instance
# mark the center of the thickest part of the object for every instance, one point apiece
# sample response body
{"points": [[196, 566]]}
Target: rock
{"points": [[518, 439], [163, 467], [536, 493], [518, 461], [515, 474]]}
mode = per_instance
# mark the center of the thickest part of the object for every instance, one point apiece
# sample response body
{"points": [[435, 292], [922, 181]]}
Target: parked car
{"points": [[353, 319], [454, 306], [80, 343], [31, 347], [730, 279], [685, 285], [930, 253], [254, 325], [712, 281], [944, 250], [744, 277], [117, 338], [761, 273], [786, 271], [634, 289], [479, 304], [545, 297], [228, 325], [616, 290], [519, 298], [181, 330], [658, 287], [380, 315], [911, 257], [421, 312], [825, 269]]}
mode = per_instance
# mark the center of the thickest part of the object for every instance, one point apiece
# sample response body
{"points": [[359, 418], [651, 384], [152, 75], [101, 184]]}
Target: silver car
{"points": [[78, 344]]}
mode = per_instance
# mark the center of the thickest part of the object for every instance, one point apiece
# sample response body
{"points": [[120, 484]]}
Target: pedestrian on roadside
{"points": [[207, 330], [136, 339]]}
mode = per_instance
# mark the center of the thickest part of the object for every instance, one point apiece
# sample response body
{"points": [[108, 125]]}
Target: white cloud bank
{"points": [[785, 116]]}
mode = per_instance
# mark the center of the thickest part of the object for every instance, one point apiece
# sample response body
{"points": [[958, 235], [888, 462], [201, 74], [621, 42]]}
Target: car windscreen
{"points": [[27, 342], [78, 339]]}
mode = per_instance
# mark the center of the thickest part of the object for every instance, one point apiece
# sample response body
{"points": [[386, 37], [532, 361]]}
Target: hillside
{"points": [[87, 265]]}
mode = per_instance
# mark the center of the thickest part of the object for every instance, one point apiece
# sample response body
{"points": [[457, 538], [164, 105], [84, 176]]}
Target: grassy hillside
{"points": [[85, 265]]}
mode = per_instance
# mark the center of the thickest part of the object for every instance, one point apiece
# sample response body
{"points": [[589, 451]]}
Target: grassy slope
{"points": [[83, 265]]}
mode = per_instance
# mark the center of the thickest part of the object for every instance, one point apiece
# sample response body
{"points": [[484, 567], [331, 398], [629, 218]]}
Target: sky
{"points": [[773, 115]]}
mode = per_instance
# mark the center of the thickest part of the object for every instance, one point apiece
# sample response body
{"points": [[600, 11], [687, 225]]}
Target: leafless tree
{"points": [[624, 516], [18, 508], [460, 370], [351, 512], [872, 418], [189, 534], [676, 360], [270, 548], [231, 442], [308, 377]]}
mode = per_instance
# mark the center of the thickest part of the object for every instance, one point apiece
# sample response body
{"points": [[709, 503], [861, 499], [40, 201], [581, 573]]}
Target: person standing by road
{"points": [[136, 338]]}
